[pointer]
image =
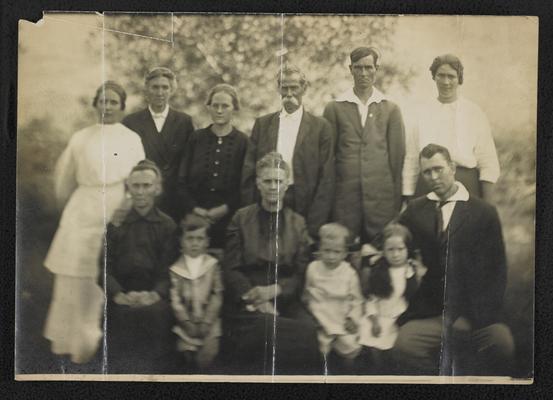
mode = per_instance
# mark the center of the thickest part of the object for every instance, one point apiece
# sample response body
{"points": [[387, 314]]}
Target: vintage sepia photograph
{"points": [[276, 198]]}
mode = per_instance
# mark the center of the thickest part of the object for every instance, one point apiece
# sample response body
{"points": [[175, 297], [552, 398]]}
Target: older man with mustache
{"points": [[305, 142]]}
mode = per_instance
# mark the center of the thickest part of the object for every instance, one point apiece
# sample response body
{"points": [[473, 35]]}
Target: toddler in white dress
{"points": [[333, 294]]}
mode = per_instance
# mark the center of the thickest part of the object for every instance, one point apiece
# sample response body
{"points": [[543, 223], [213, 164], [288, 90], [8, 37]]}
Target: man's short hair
{"points": [[272, 160], [157, 72], [430, 150], [450, 59], [192, 222], [224, 88], [147, 165], [334, 231], [362, 52], [289, 69]]}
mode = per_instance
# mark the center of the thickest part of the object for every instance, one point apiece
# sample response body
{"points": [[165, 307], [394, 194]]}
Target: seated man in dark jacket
{"points": [[138, 254], [451, 326]]}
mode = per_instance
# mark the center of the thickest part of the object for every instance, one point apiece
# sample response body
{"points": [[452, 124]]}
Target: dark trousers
{"points": [[423, 348]]}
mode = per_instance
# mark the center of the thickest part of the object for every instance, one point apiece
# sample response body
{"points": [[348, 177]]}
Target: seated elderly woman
{"points": [[267, 329]]}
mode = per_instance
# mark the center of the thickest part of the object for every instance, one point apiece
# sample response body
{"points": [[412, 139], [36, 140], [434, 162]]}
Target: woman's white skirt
{"points": [[79, 240], [74, 319]]}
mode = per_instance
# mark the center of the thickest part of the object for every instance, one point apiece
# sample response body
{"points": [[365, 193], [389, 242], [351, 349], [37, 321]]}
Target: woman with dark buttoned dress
{"points": [[210, 172], [267, 331]]}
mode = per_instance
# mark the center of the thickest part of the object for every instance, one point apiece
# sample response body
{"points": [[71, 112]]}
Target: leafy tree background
{"points": [[246, 51], [67, 56]]}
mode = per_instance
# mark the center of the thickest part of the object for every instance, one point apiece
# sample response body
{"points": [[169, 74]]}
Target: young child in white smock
{"points": [[333, 294], [388, 280]]}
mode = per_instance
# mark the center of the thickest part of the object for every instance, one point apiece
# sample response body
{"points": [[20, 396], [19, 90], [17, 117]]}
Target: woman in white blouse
{"points": [[89, 184], [458, 124]]}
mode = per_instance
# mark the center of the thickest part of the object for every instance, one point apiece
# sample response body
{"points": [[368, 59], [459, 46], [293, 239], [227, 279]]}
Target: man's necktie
{"points": [[439, 218]]}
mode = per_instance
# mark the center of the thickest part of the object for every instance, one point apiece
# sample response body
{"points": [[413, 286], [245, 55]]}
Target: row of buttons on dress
{"points": [[216, 162]]}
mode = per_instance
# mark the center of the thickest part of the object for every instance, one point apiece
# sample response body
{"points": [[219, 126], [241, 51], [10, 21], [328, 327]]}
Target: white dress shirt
{"points": [[461, 127], [447, 209], [159, 118], [288, 128], [350, 96]]}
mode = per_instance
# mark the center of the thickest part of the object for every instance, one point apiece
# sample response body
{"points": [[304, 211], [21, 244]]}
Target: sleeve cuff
{"points": [[489, 176]]}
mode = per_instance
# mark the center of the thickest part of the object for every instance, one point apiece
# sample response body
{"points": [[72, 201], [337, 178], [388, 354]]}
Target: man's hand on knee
{"points": [[461, 328]]}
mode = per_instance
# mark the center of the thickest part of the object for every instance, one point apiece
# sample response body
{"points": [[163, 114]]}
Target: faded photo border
{"points": [[356, 379]]}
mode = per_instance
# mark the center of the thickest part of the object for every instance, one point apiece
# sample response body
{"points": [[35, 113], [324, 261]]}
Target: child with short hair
{"points": [[333, 295], [388, 282], [196, 295]]}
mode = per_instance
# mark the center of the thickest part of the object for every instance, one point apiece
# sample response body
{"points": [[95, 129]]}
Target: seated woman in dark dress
{"points": [[210, 171], [267, 249]]}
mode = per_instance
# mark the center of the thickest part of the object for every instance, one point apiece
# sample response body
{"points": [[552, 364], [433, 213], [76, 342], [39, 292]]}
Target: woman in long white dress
{"points": [[90, 176]]}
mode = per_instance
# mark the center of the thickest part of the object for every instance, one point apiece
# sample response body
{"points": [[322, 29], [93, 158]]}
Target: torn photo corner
{"points": [[276, 198]]}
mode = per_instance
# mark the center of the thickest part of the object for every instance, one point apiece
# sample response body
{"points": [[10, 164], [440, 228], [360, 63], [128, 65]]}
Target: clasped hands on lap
{"points": [[259, 298], [196, 329], [213, 214], [351, 326], [135, 299], [462, 328]]}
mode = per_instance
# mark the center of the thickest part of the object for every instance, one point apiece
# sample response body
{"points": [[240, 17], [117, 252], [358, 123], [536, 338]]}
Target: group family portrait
{"points": [[209, 195]]}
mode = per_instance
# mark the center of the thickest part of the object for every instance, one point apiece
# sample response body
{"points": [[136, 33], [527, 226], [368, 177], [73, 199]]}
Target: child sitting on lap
{"points": [[388, 283], [196, 295], [333, 295]]}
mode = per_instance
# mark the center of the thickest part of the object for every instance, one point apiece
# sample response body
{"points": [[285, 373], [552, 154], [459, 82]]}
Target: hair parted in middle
{"points": [[272, 160], [164, 72], [380, 283], [147, 165], [450, 59], [110, 85], [224, 88]]}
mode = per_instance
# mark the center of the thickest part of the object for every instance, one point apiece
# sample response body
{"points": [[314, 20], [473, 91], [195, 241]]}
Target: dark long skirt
{"points": [[467, 176], [139, 340], [264, 344]]}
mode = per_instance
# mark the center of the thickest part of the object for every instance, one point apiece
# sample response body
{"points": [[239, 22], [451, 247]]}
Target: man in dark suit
{"points": [[164, 133], [305, 142], [370, 148], [451, 326]]}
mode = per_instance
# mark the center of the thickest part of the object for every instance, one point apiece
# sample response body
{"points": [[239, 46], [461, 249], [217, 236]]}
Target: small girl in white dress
{"points": [[388, 282]]}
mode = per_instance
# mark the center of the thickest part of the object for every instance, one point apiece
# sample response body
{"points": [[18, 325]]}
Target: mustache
{"points": [[290, 99]]}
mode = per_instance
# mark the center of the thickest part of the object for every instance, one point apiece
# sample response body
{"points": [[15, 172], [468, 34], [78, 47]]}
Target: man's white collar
{"points": [[296, 115], [461, 194], [349, 95], [163, 113]]}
